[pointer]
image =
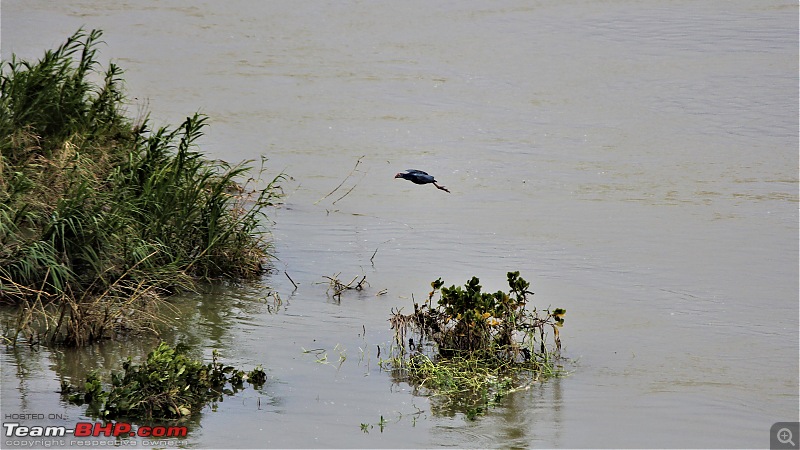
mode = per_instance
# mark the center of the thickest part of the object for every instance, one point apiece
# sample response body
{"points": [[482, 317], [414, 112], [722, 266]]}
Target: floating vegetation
{"points": [[322, 355], [169, 385], [273, 301], [100, 216], [338, 287], [365, 427], [383, 423], [474, 347]]}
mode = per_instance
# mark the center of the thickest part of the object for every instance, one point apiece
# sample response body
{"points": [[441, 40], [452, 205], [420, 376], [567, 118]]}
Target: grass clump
{"points": [[472, 348], [100, 216], [169, 385]]}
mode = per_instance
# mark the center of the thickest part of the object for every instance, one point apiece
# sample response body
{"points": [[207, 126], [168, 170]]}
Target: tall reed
{"points": [[97, 210]]}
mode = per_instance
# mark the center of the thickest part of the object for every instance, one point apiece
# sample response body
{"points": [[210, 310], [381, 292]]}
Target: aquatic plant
{"points": [[168, 385], [473, 347], [339, 287], [100, 217]]}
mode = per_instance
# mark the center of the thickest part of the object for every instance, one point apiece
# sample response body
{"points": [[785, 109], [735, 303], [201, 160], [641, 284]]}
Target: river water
{"points": [[637, 161]]}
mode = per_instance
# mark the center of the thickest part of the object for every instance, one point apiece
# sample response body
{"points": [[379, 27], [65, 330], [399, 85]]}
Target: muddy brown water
{"points": [[636, 161]]}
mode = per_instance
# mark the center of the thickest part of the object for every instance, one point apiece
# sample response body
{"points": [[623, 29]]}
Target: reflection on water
{"points": [[636, 162]]}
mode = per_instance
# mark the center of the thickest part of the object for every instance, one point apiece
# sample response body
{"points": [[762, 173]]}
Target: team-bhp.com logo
{"points": [[97, 429]]}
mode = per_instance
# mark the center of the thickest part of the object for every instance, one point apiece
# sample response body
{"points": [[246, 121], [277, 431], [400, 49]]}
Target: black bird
{"points": [[419, 177]]}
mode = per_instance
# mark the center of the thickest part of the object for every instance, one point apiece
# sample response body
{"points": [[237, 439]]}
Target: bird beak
{"points": [[399, 175]]}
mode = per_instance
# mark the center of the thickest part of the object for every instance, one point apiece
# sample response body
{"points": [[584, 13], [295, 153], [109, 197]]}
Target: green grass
{"points": [[100, 214]]}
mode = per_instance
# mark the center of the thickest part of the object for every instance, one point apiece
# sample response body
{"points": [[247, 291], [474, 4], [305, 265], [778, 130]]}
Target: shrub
{"points": [[474, 347]]}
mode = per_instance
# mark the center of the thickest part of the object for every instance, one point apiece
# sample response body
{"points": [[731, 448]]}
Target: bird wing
{"points": [[416, 171]]}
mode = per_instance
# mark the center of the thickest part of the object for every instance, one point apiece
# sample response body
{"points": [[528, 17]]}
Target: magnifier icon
{"points": [[785, 436]]}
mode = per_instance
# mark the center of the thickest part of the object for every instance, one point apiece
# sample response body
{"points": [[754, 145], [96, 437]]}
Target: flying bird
{"points": [[419, 177]]}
